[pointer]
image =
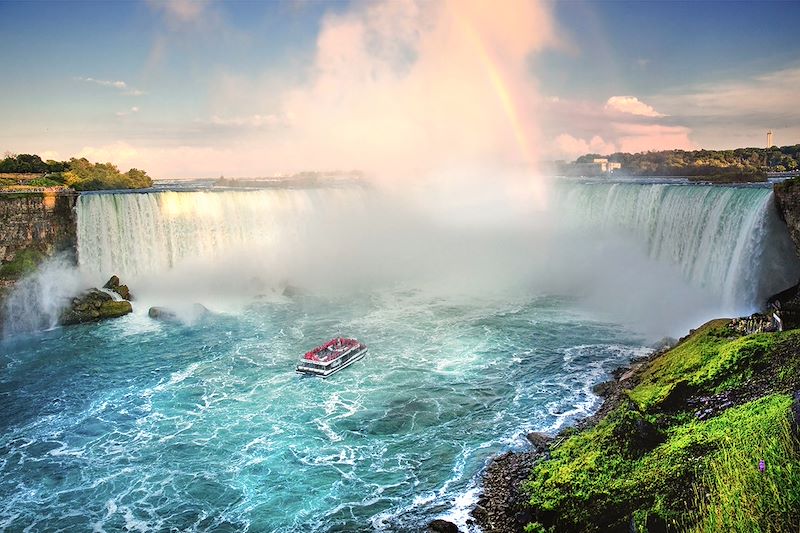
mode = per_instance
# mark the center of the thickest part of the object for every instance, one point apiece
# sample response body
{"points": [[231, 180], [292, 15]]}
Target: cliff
{"points": [[34, 226], [787, 200]]}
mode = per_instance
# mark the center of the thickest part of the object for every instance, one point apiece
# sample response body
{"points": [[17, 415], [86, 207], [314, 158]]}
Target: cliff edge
{"points": [[34, 226]]}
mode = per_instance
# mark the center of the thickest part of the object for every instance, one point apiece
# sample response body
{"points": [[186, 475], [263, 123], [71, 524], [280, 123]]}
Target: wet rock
{"points": [[604, 388], [502, 505], [196, 312], [291, 291], [113, 284], [539, 441], [442, 526], [92, 306], [162, 313]]}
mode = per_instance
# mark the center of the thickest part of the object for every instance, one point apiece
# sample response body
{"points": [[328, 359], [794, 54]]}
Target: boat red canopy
{"points": [[331, 349]]}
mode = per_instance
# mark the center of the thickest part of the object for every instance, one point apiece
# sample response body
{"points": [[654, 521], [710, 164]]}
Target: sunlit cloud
{"points": [[398, 89], [570, 147], [631, 105]]}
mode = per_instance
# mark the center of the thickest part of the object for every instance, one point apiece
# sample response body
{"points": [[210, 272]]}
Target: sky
{"points": [[204, 88]]}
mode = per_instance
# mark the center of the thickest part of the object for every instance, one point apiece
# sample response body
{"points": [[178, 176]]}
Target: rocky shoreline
{"points": [[501, 506], [505, 506]]}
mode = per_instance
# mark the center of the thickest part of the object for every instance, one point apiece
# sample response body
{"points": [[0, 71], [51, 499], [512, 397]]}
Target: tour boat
{"points": [[331, 357]]}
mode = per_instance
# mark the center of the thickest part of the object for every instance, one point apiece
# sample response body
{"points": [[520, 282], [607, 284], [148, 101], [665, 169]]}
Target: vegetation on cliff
{"points": [[741, 164], [79, 174], [702, 438]]}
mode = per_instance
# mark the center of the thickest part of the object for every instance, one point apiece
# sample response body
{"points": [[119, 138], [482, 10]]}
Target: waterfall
{"points": [[726, 243], [139, 234], [726, 240]]}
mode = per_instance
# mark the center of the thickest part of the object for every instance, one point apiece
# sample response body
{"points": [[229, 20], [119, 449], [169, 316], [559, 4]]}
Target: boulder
{"points": [[442, 526], [539, 441], [167, 314], [162, 313], [92, 306], [113, 284]]}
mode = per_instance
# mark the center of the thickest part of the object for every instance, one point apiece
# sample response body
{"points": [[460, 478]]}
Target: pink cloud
{"points": [[642, 137], [632, 106], [569, 147]]}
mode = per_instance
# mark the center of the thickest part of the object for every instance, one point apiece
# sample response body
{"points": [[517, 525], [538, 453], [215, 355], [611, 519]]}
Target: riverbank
{"points": [[702, 437]]}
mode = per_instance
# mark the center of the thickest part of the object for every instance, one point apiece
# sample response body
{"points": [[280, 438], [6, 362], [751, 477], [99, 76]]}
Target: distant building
{"points": [[769, 139], [602, 163]]}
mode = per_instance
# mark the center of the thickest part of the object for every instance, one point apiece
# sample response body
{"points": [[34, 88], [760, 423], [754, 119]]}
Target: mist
{"points": [[454, 242]]}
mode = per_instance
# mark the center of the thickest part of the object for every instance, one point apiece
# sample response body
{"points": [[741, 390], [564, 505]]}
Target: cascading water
{"points": [[725, 241]]}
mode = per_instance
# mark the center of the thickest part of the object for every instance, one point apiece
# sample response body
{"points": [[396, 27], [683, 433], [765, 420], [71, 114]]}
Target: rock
{"points": [[196, 312], [677, 396], [442, 526], [162, 313], [645, 435], [664, 344], [604, 388], [291, 291], [92, 306], [539, 441], [113, 284]]}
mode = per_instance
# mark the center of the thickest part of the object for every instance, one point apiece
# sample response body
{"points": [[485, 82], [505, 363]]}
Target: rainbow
{"points": [[505, 96]]}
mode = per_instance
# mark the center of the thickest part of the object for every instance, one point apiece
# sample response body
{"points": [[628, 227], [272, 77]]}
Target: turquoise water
{"points": [[147, 426]]}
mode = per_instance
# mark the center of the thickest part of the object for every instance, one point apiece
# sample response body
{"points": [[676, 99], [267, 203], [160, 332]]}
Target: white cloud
{"points": [[632, 106], [106, 83], [115, 84]]}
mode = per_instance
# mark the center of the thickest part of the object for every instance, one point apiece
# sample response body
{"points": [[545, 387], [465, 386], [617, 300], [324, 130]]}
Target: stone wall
{"points": [[34, 226]]}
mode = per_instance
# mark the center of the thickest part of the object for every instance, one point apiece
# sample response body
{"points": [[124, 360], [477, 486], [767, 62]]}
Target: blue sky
{"points": [[157, 83]]}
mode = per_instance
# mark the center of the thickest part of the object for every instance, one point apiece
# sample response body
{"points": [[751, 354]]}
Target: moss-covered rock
{"points": [[114, 285], [23, 262], [92, 306]]}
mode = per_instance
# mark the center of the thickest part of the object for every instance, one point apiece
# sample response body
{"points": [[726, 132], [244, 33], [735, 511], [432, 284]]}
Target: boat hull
{"points": [[334, 367]]}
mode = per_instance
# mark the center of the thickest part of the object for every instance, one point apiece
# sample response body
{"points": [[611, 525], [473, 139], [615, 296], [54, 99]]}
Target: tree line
{"points": [[747, 162], [79, 174]]}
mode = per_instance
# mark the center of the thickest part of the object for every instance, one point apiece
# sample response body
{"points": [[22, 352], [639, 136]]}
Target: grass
{"points": [[713, 359], [705, 473], [734, 495], [672, 471]]}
